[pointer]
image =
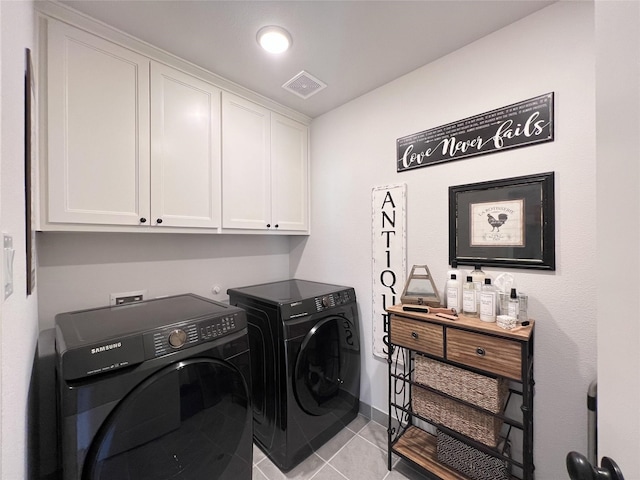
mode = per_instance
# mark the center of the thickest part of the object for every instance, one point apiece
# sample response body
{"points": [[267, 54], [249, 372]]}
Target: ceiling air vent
{"points": [[304, 85]]}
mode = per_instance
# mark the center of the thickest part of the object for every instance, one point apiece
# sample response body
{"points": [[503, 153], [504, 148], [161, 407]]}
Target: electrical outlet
{"points": [[127, 297]]}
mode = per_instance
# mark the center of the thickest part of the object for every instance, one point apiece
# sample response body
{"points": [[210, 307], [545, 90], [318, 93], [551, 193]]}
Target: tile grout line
{"points": [[339, 450], [355, 434], [369, 441], [263, 474], [350, 440], [326, 464], [385, 452]]}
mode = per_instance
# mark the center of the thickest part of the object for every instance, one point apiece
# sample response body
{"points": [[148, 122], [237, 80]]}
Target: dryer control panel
{"points": [[309, 306], [332, 300], [176, 337]]}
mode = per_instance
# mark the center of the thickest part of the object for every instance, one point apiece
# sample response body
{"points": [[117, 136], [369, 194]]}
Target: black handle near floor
{"points": [[580, 468]]}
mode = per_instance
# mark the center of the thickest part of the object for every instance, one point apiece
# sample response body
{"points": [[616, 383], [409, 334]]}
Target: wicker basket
{"points": [[469, 460], [486, 392], [473, 423]]}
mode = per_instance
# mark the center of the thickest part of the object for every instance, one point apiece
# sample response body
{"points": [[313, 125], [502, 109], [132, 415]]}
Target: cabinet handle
{"points": [[480, 351], [159, 221], [277, 225], [414, 335], [143, 220], [268, 225]]}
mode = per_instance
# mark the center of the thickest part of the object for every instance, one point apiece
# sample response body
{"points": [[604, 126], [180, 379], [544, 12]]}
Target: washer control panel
{"points": [[176, 337], [105, 339]]}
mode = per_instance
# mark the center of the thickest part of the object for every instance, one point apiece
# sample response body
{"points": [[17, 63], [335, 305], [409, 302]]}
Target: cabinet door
{"points": [[246, 181], [185, 150], [98, 130], [289, 174]]}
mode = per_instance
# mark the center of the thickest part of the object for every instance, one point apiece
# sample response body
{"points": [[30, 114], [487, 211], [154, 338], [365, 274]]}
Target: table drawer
{"points": [[500, 356], [420, 336]]}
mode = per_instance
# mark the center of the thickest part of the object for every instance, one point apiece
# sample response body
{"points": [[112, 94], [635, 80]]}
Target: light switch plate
{"points": [[7, 262]]}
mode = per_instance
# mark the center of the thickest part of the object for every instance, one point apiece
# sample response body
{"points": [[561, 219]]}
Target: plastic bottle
{"points": [[470, 298], [524, 301], [459, 275], [478, 275], [488, 302], [503, 283], [514, 304], [454, 293]]}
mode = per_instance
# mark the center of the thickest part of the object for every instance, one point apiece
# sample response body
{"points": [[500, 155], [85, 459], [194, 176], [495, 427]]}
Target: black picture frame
{"points": [[504, 223], [30, 160]]}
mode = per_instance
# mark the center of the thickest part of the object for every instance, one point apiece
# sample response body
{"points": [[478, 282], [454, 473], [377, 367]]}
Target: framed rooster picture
{"points": [[504, 223]]}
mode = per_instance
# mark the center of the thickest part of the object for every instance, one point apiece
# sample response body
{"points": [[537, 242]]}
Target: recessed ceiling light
{"points": [[274, 39]]}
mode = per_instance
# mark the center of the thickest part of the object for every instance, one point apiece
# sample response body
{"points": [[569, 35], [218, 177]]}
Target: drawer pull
{"points": [[480, 351], [414, 335]]}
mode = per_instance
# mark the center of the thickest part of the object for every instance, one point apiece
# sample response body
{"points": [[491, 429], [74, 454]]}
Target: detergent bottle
{"points": [[488, 302], [454, 293], [470, 295]]}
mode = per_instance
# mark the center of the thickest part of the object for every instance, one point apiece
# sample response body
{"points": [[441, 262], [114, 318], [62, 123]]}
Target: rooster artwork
{"points": [[496, 223]]}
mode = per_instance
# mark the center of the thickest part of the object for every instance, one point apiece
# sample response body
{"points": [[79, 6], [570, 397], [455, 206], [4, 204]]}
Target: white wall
{"points": [[353, 150], [19, 313], [618, 177], [80, 270]]}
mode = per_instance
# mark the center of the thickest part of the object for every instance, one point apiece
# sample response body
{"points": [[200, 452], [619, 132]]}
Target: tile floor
{"points": [[359, 452]]}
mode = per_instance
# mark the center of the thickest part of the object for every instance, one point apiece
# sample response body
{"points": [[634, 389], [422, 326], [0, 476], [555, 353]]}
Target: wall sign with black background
{"points": [[518, 125]]}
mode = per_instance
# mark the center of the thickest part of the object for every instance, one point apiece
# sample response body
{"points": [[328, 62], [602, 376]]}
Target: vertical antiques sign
{"points": [[389, 264], [520, 124]]}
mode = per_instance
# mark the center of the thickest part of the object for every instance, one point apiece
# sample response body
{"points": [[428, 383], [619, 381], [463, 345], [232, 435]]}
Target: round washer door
{"points": [[190, 420], [327, 367]]}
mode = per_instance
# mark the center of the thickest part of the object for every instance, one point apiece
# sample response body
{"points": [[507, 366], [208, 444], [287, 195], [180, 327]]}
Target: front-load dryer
{"points": [[305, 364], [155, 390]]}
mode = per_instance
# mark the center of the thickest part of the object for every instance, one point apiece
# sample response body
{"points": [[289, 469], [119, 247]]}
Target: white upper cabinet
{"points": [[289, 174], [131, 141], [264, 168], [98, 130], [134, 143], [246, 182], [185, 150]]}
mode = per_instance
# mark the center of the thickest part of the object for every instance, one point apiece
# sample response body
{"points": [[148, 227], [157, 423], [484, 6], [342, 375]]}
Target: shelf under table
{"points": [[420, 447]]}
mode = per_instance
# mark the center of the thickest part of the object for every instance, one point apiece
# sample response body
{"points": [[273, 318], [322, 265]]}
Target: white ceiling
{"points": [[352, 46]]}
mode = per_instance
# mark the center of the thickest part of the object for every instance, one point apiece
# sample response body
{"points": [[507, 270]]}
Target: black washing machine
{"points": [[305, 364], [155, 390]]}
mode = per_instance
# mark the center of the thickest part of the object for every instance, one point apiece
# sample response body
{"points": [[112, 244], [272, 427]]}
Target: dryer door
{"points": [[190, 420], [327, 370]]}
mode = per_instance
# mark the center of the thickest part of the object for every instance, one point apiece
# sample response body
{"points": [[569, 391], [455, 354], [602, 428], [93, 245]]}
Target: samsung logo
{"points": [[104, 348]]}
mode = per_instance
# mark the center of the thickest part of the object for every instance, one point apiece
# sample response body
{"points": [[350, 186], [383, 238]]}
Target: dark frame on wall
{"points": [[504, 223], [29, 169]]}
